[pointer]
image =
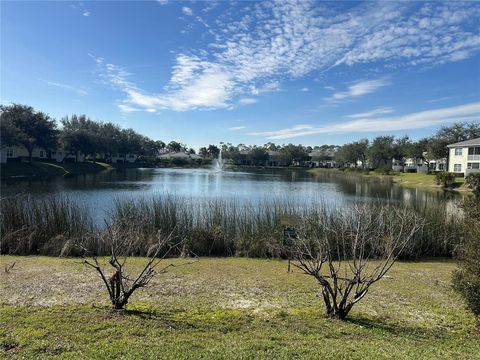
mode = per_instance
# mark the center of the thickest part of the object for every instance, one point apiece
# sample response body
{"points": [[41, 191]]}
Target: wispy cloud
{"points": [[247, 101], [372, 113], [417, 120], [86, 13], [79, 90], [305, 89], [236, 128], [187, 11], [275, 41], [358, 89]]}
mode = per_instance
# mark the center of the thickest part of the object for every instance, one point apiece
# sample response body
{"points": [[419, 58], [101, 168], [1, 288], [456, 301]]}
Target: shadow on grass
{"points": [[378, 324]]}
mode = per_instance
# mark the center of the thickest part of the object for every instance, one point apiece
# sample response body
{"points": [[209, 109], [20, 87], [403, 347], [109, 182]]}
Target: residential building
{"points": [[464, 157], [19, 153]]}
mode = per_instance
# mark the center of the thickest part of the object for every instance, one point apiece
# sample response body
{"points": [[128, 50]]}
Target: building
{"points": [[19, 153], [464, 157]]}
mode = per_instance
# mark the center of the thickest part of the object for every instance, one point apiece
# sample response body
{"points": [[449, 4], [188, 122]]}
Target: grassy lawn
{"points": [[423, 180], [412, 180], [48, 169], [229, 308]]}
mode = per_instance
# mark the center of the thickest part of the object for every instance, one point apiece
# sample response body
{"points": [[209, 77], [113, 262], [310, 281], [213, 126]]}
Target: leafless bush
{"points": [[347, 252], [121, 240]]}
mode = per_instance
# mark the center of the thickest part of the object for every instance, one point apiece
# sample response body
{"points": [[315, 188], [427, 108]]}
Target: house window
{"points": [[42, 154], [474, 151], [458, 151], [473, 166], [457, 168], [10, 153], [440, 167]]}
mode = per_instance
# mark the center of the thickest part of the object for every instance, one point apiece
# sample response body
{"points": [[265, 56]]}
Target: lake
{"points": [[98, 191]]}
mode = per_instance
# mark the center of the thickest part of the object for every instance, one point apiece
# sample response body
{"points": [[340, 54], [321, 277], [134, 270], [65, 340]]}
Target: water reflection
{"points": [[97, 191]]}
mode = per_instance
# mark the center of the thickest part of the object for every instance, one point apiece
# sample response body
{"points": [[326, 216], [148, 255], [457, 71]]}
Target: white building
{"points": [[464, 157], [16, 153]]}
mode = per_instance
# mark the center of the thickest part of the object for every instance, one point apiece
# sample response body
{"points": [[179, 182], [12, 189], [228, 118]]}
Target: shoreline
{"points": [[408, 180]]}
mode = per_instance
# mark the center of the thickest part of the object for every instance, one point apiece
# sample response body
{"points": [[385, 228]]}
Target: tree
{"points": [[258, 155], [292, 152], [28, 128], [381, 151], [81, 134], [213, 151], [348, 251], [120, 244], [203, 151], [174, 146], [437, 147]]}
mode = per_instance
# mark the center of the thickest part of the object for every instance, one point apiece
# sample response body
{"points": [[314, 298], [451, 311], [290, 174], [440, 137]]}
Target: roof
{"points": [[471, 142], [179, 155]]}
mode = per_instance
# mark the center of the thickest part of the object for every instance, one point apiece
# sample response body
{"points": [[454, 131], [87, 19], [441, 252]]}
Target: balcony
{"points": [[473, 157]]}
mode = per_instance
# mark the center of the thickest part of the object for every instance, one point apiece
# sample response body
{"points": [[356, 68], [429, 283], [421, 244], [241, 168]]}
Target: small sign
{"points": [[290, 220]]}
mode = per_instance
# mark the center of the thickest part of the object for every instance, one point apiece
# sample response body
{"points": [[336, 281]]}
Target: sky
{"points": [[247, 72]]}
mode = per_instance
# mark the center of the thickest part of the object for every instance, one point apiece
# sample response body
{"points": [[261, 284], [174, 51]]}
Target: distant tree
{"points": [[203, 151], [417, 149], [381, 151], [401, 148], [174, 146], [191, 151], [160, 144], [258, 155], [271, 146], [437, 146], [213, 151], [292, 152], [28, 128], [352, 153], [81, 134]]}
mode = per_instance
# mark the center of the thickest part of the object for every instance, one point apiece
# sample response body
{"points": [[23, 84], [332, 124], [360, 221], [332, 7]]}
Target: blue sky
{"points": [[247, 72]]}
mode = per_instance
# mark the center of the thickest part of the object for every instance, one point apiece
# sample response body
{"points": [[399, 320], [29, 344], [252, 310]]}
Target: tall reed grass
{"points": [[206, 227]]}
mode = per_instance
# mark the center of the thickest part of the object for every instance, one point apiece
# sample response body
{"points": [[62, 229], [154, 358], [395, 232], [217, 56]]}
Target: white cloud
{"points": [[187, 11], [275, 41], [358, 89], [86, 13], [305, 89], [79, 90], [163, 2], [247, 101], [126, 108], [236, 128], [372, 113], [422, 119]]}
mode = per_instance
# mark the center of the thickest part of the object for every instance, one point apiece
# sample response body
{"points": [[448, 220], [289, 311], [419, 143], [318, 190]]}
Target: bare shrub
{"points": [[121, 240], [348, 251]]}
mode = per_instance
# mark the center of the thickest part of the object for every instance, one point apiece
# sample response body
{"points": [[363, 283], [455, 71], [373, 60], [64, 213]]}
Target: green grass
{"points": [[411, 180], [422, 180], [38, 169], [229, 308]]}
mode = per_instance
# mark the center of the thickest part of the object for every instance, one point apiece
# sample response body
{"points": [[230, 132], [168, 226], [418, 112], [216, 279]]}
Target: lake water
{"points": [[98, 191]]}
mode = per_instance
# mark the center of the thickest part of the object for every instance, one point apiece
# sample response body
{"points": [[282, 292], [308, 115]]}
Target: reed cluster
{"points": [[205, 227]]}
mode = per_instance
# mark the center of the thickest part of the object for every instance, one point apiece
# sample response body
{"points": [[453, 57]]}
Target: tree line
{"points": [[21, 125]]}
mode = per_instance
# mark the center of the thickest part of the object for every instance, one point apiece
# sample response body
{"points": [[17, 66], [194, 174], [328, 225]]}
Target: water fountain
{"points": [[218, 163]]}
